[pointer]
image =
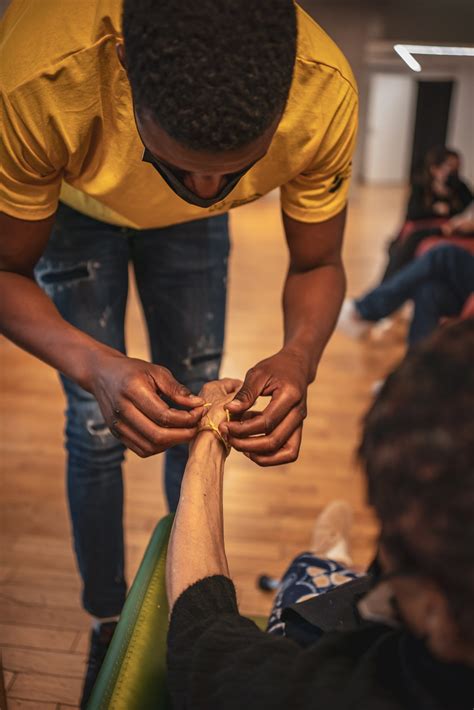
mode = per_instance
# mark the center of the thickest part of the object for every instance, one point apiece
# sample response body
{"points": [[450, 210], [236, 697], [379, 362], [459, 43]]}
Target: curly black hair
{"points": [[417, 449], [214, 74]]}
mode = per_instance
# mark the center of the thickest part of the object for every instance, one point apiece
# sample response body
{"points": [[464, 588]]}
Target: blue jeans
{"points": [[439, 282], [181, 274]]}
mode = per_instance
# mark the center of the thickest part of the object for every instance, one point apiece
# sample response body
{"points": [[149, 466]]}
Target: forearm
{"points": [[196, 548], [30, 319], [311, 303]]}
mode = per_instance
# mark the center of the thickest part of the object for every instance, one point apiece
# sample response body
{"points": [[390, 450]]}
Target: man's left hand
{"points": [[271, 437]]}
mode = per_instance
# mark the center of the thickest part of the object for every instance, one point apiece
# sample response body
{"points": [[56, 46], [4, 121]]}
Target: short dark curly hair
{"points": [[417, 449], [214, 74]]}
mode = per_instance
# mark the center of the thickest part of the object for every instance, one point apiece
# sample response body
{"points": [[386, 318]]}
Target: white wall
{"points": [[461, 121], [390, 122]]}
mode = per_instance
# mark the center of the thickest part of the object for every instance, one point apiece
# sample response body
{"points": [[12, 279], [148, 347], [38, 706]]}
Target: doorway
{"points": [[431, 121]]}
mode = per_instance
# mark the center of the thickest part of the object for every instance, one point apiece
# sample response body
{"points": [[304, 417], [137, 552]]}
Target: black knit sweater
{"points": [[219, 660]]}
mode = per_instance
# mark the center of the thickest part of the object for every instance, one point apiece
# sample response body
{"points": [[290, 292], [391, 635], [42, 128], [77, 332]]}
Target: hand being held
{"points": [[216, 395]]}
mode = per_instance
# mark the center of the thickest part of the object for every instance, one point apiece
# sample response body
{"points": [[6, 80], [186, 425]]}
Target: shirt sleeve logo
{"points": [[339, 179]]}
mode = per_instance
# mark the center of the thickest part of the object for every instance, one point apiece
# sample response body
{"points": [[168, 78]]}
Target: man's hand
{"points": [[130, 394], [312, 296], [271, 437]]}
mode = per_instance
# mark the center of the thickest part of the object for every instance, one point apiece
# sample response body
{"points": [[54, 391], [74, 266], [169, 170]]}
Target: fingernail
{"points": [[195, 398]]}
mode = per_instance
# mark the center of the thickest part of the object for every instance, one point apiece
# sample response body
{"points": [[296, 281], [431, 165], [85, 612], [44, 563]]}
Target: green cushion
{"points": [[133, 675]]}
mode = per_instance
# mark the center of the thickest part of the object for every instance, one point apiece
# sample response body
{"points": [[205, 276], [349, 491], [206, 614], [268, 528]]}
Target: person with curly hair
{"points": [[129, 131], [399, 637]]}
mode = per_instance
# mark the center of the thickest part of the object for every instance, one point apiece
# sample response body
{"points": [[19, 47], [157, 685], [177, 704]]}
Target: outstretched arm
{"points": [[312, 296], [196, 548]]}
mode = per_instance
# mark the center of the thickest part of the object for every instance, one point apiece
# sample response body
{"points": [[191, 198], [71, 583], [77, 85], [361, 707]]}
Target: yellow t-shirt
{"points": [[67, 126]]}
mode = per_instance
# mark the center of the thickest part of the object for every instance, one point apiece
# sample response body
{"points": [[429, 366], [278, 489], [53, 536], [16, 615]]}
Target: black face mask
{"points": [[174, 179]]}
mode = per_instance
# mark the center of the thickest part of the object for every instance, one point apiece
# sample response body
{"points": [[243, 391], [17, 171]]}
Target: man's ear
{"points": [[120, 49]]}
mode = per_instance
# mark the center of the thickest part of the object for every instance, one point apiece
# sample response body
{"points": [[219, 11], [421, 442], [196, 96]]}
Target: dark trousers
{"points": [[439, 283], [181, 274], [401, 252]]}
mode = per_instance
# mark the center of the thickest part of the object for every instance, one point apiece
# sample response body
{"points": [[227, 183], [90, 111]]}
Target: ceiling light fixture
{"points": [[406, 52]]}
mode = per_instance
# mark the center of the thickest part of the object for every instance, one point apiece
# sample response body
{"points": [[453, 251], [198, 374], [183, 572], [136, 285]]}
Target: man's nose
{"points": [[204, 186]]}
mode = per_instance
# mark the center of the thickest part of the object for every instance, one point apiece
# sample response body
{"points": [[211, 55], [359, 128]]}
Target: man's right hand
{"points": [[130, 394]]}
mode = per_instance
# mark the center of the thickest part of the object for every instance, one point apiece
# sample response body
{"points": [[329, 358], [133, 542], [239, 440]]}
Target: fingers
{"points": [[269, 444], [172, 389], [254, 384], [141, 435], [146, 400], [282, 402], [219, 390], [287, 454], [129, 438], [230, 385]]}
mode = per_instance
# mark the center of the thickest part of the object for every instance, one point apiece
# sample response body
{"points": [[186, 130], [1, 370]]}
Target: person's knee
{"points": [[444, 257]]}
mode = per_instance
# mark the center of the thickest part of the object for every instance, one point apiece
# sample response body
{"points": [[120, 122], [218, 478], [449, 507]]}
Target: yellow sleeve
{"points": [[320, 192], [30, 173]]}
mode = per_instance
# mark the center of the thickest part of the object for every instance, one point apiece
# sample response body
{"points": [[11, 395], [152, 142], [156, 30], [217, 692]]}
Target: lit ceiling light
{"points": [[407, 57], [406, 52]]}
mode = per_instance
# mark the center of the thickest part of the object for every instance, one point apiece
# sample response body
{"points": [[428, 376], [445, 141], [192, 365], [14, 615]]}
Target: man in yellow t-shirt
{"points": [[129, 138]]}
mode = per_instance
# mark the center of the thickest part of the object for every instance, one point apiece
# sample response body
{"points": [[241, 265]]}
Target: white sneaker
{"points": [[350, 322]]}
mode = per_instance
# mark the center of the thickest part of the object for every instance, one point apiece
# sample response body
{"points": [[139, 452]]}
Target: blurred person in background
{"points": [[440, 283], [437, 195]]}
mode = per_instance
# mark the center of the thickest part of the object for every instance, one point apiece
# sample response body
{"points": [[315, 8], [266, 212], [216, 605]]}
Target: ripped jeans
{"points": [[181, 275]]}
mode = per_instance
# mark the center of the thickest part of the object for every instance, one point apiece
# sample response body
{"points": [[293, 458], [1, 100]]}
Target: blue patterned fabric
{"points": [[306, 577]]}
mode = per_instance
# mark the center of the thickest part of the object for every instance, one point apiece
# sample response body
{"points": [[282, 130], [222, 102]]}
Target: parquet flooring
{"points": [[269, 512]]}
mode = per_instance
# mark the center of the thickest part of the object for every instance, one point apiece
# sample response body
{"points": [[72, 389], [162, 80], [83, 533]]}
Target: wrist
{"points": [[207, 447], [205, 465], [306, 354], [93, 363]]}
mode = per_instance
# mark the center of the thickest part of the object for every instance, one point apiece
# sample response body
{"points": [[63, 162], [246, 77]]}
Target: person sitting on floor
{"points": [[417, 649], [439, 283]]}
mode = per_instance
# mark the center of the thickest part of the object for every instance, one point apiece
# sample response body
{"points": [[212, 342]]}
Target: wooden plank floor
{"points": [[269, 512]]}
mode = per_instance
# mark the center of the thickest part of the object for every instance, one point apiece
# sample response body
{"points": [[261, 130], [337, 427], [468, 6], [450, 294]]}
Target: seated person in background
{"points": [[417, 452], [439, 283], [438, 194], [439, 191]]}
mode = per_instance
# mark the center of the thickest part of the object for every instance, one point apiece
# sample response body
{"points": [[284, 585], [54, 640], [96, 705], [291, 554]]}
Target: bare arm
{"points": [[127, 390], [312, 297], [315, 286], [28, 317], [196, 548]]}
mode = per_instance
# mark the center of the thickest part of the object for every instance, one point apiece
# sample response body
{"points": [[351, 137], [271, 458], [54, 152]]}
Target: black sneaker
{"points": [[100, 642]]}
